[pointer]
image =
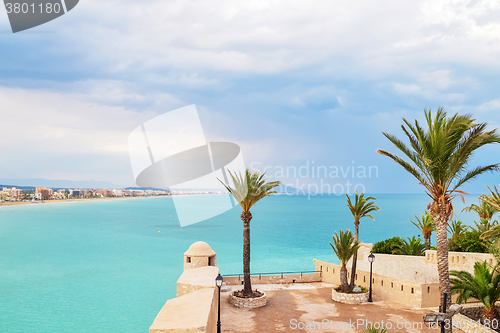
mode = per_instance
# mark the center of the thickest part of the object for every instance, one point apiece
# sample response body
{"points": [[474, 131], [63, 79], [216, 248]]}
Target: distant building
{"points": [[60, 194], [4, 196], [106, 193], [12, 192], [75, 193], [45, 193], [118, 193]]}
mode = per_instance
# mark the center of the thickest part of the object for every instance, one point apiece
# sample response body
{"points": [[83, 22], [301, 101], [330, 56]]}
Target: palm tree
{"points": [[344, 246], [248, 190], [439, 158], [411, 247], [426, 226], [362, 208], [484, 209], [493, 199], [483, 286], [485, 225], [457, 228]]}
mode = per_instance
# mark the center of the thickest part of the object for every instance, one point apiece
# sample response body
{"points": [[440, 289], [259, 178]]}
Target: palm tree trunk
{"points": [[246, 217], [355, 256], [440, 212], [343, 278], [427, 242], [490, 315]]}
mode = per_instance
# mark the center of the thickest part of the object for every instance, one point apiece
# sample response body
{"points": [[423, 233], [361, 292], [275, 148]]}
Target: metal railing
{"points": [[277, 273]]}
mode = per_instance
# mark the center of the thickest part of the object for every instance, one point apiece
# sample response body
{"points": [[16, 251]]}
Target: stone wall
{"points": [[390, 288], [420, 269], [468, 325], [195, 262], [196, 279], [406, 279], [475, 312], [460, 261], [190, 313], [274, 279], [195, 308]]}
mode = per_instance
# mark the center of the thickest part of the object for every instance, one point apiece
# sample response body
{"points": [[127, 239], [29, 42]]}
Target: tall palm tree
{"points": [[483, 286], [362, 207], [439, 158], [484, 209], [426, 226], [344, 246], [248, 190]]}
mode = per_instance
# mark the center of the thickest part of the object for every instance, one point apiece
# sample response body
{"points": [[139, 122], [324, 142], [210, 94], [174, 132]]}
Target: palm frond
{"points": [[249, 188]]}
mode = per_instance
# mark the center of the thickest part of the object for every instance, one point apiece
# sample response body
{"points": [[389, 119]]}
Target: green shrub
{"points": [[470, 241], [387, 246]]}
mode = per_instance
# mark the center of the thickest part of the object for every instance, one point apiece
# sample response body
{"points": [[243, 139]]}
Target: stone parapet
{"points": [[196, 279], [194, 312]]}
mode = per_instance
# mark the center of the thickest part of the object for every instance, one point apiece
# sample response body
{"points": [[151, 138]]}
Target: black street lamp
{"points": [[371, 259], [218, 283]]}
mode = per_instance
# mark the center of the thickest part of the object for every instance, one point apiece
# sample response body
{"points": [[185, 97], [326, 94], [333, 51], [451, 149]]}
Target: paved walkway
{"points": [[298, 307]]}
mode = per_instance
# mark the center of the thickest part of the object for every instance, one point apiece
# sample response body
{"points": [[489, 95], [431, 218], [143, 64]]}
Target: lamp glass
{"points": [[218, 280], [430, 317], [371, 257]]}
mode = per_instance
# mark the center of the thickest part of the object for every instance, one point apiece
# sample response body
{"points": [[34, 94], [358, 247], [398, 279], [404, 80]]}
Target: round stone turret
{"points": [[199, 254]]}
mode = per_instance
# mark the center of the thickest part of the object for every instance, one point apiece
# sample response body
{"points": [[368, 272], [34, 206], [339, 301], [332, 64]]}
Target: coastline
{"points": [[71, 200], [23, 203]]}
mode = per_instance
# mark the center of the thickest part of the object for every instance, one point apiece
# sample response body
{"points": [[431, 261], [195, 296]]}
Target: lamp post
{"points": [[371, 259], [218, 283]]}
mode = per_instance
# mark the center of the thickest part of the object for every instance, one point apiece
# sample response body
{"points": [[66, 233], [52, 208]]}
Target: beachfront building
{"points": [[60, 195], [45, 193], [75, 193], [106, 193], [4, 196], [117, 193], [11, 193]]}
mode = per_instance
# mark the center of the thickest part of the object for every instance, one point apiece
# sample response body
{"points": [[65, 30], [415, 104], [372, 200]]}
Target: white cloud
{"points": [[273, 36], [45, 133], [490, 106]]}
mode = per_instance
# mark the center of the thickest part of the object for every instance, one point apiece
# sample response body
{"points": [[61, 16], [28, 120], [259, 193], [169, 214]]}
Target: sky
{"points": [[293, 83]]}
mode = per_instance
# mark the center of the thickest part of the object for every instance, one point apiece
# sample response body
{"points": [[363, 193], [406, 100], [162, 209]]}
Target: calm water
{"points": [[102, 266]]}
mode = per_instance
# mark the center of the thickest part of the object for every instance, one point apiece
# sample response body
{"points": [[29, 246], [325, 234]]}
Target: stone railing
{"points": [[274, 278]]}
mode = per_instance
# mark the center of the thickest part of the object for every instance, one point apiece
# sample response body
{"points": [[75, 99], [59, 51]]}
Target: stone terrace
{"points": [[308, 302]]}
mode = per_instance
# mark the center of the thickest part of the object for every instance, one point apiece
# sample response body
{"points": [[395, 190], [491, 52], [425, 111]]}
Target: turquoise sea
{"points": [[102, 266]]}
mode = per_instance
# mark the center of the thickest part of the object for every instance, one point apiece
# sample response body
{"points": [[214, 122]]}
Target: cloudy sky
{"points": [[294, 83]]}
